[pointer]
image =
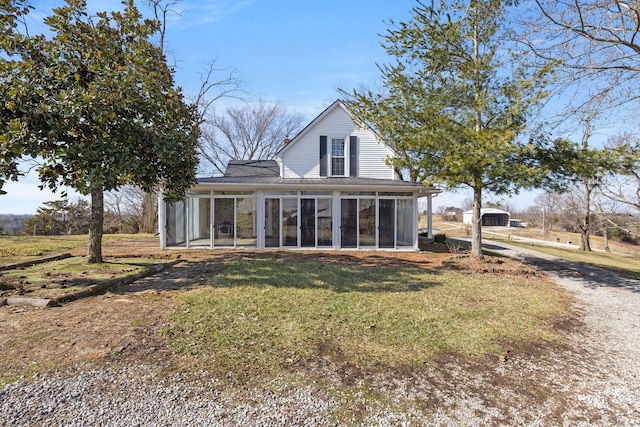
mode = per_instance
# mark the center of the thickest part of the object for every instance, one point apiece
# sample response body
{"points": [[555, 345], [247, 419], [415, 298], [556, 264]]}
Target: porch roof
{"points": [[317, 184]]}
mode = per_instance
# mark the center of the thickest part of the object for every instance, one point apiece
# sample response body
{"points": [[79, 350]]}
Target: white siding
{"points": [[372, 157], [302, 159]]}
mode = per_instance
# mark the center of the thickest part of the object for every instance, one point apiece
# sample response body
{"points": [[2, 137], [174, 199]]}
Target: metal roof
{"points": [[341, 184]]}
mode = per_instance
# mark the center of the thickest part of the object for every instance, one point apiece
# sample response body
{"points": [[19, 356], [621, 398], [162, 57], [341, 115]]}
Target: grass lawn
{"points": [[260, 317]]}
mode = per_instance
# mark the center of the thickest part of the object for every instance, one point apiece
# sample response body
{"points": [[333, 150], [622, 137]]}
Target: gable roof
{"points": [[252, 168], [336, 104]]}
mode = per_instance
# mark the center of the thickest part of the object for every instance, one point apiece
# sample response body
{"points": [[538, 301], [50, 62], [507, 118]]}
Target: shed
{"points": [[490, 217]]}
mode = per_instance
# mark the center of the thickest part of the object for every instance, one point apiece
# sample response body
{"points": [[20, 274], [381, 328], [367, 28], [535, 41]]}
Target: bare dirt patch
{"points": [[57, 278]]}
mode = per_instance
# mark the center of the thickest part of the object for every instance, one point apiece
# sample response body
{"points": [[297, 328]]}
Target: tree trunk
{"points": [[476, 225], [585, 242], [149, 213], [94, 255]]}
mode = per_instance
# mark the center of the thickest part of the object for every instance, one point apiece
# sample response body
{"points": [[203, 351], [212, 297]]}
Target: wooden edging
{"points": [[34, 262], [89, 290], [35, 302]]}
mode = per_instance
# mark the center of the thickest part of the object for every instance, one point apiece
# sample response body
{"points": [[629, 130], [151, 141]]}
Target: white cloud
{"points": [[195, 13]]}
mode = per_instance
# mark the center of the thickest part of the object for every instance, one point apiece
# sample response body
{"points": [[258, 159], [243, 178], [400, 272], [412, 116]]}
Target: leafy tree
{"points": [[454, 103], [625, 187], [97, 103], [572, 166], [250, 132], [46, 222]]}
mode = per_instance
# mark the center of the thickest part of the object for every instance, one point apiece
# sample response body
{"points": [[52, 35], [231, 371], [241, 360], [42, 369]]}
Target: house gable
{"points": [[331, 139]]}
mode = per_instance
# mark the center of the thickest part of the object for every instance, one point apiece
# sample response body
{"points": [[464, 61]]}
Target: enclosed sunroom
{"points": [[273, 212]]}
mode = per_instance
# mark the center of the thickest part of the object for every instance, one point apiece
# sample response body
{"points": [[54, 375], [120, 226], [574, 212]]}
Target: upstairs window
{"points": [[337, 157]]}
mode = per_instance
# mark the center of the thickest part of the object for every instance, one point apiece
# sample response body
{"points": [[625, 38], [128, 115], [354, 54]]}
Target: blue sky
{"points": [[289, 51]]}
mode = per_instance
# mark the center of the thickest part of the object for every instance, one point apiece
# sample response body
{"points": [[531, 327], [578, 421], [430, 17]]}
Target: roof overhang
{"points": [[321, 184]]}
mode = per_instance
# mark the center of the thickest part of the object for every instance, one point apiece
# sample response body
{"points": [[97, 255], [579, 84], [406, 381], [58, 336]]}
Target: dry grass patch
{"points": [[15, 249]]}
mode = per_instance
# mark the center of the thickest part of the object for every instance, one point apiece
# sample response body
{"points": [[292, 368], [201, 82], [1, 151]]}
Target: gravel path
{"points": [[593, 381]]}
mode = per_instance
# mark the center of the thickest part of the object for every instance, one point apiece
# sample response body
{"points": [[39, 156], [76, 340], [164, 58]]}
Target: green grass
{"points": [[258, 317], [625, 265]]}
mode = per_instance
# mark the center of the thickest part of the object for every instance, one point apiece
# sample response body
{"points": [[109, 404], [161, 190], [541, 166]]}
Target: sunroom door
{"points": [[224, 222], [324, 230], [308, 223], [349, 223], [199, 222], [367, 222], [176, 224], [386, 223], [272, 223], [405, 223], [289, 222]]}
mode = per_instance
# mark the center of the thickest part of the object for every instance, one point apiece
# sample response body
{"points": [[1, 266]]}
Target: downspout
{"points": [[430, 216]]}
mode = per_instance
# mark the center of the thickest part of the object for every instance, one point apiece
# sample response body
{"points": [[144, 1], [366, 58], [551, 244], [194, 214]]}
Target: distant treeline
{"points": [[13, 224], [64, 217]]}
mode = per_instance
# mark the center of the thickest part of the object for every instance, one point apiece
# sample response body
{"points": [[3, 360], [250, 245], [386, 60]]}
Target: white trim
{"points": [[319, 118]]}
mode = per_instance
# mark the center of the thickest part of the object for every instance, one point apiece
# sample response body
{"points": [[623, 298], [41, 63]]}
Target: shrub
{"points": [[440, 238]]}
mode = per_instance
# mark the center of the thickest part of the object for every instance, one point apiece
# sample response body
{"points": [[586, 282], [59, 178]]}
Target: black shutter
{"points": [[324, 159], [353, 156]]}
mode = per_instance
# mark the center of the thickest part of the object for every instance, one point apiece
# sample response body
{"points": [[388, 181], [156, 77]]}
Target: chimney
{"points": [[286, 141]]}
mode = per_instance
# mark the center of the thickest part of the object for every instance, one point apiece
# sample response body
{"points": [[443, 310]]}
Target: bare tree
{"points": [[128, 202], [213, 87], [161, 9], [249, 132], [597, 47], [588, 184], [567, 211], [549, 206], [607, 214], [591, 41]]}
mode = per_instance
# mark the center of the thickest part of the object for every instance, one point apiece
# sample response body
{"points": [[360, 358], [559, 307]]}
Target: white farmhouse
{"points": [[330, 187]]}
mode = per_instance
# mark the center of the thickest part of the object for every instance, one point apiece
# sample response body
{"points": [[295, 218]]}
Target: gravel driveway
{"points": [[595, 380]]}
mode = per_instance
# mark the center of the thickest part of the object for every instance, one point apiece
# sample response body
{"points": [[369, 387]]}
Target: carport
{"points": [[490, 217]]}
